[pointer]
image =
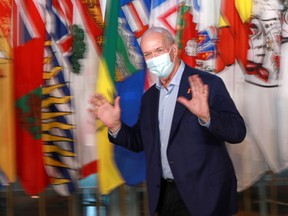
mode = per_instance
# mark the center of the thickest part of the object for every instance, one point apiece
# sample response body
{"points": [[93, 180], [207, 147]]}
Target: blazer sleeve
{"points": [[128, 137], [226, 122]]}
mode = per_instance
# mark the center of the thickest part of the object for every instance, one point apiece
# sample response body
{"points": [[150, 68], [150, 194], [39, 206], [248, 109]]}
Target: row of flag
{"points": [[55, 54]]}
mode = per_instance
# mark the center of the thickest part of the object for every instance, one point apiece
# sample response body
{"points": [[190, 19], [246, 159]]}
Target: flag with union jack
{"points": [[57, 108], [28, 32]]}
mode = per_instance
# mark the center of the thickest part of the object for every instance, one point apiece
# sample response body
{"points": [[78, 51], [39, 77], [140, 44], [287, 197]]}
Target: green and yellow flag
{"points": [[109, 176]]}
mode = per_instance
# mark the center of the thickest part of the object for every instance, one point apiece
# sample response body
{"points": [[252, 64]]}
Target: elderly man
{"points": [[184, 122]]}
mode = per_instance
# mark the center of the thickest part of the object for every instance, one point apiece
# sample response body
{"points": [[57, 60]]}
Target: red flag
{"points": [[7, 112], [232, 37], [186, 35], [28, 42]]}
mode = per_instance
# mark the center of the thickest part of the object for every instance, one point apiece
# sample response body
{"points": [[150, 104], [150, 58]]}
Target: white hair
{"points": [[167, 34]]}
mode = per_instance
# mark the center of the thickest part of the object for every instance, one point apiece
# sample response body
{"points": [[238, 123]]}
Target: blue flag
{"points": [[133, 21]]}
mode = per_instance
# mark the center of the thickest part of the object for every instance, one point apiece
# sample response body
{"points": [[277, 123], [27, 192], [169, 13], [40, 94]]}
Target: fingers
{"points": [[197, 86], [117, 102], [97, 100], [183, 101], [99, 104]]}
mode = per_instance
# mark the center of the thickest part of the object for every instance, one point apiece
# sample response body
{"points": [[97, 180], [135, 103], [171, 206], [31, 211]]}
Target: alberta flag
{"points": [[121, 72], [133, 20]]}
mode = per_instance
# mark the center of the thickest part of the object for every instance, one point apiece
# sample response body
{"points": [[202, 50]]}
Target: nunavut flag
{"points": [[28, 41]]}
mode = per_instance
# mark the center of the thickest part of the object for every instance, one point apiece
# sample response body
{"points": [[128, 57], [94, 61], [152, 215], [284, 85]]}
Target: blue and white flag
{"points": [[57, 107]]}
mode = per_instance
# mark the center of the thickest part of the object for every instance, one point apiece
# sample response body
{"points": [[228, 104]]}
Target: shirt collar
{"points": [[176, 79]]}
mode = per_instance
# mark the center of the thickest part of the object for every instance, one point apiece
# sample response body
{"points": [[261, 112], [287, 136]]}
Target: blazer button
{"points": [[171, 162]]}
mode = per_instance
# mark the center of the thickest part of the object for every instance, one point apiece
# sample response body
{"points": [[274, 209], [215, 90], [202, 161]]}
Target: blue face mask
{"points": [[161, 65]]}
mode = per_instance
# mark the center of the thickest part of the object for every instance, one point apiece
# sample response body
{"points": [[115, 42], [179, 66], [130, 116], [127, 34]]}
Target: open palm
{"points": [[198, 104], [109, 114]]}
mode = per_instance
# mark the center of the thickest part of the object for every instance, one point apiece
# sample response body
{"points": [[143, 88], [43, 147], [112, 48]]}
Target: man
{"points": [[184, 120]]}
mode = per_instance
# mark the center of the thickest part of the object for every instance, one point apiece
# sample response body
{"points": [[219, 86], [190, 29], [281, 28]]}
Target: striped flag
{"points": [[57, 108], [28, 40], [163, 13], [7, 110]]}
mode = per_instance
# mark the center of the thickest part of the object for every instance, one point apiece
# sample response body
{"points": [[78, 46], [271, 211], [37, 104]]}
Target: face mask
{"points": [[161, 65]]}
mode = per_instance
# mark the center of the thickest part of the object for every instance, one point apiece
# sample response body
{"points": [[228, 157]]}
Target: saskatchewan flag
{"points": [[108, 174]]}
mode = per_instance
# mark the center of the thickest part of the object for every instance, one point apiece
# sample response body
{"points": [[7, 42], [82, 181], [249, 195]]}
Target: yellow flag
{"points": [[109, 176], [244, 8], [7, 111]]}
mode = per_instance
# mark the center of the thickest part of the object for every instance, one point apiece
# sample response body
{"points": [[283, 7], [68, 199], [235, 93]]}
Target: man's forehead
{"points": [[153, 48], [152, 36], [152, 43]]}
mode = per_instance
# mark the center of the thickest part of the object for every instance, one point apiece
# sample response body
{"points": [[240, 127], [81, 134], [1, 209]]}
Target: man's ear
{"points": [[175, 48]]}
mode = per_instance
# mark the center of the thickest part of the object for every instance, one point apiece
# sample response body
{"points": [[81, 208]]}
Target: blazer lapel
{"points": [[184, 90], [154, 100]]}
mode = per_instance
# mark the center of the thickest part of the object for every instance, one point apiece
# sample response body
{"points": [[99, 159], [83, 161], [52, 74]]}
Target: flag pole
{"points": [[10, 200], [73, 210], [145, 201], [122, 200], [42, 204], [98, 197]]}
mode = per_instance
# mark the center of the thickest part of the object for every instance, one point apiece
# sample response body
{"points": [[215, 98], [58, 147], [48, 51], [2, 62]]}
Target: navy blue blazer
{"points": [[198, 157]]}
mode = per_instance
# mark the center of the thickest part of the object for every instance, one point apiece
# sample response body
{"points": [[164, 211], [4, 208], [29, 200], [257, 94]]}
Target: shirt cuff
{"points": [[114, 135], [204, 124]]}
